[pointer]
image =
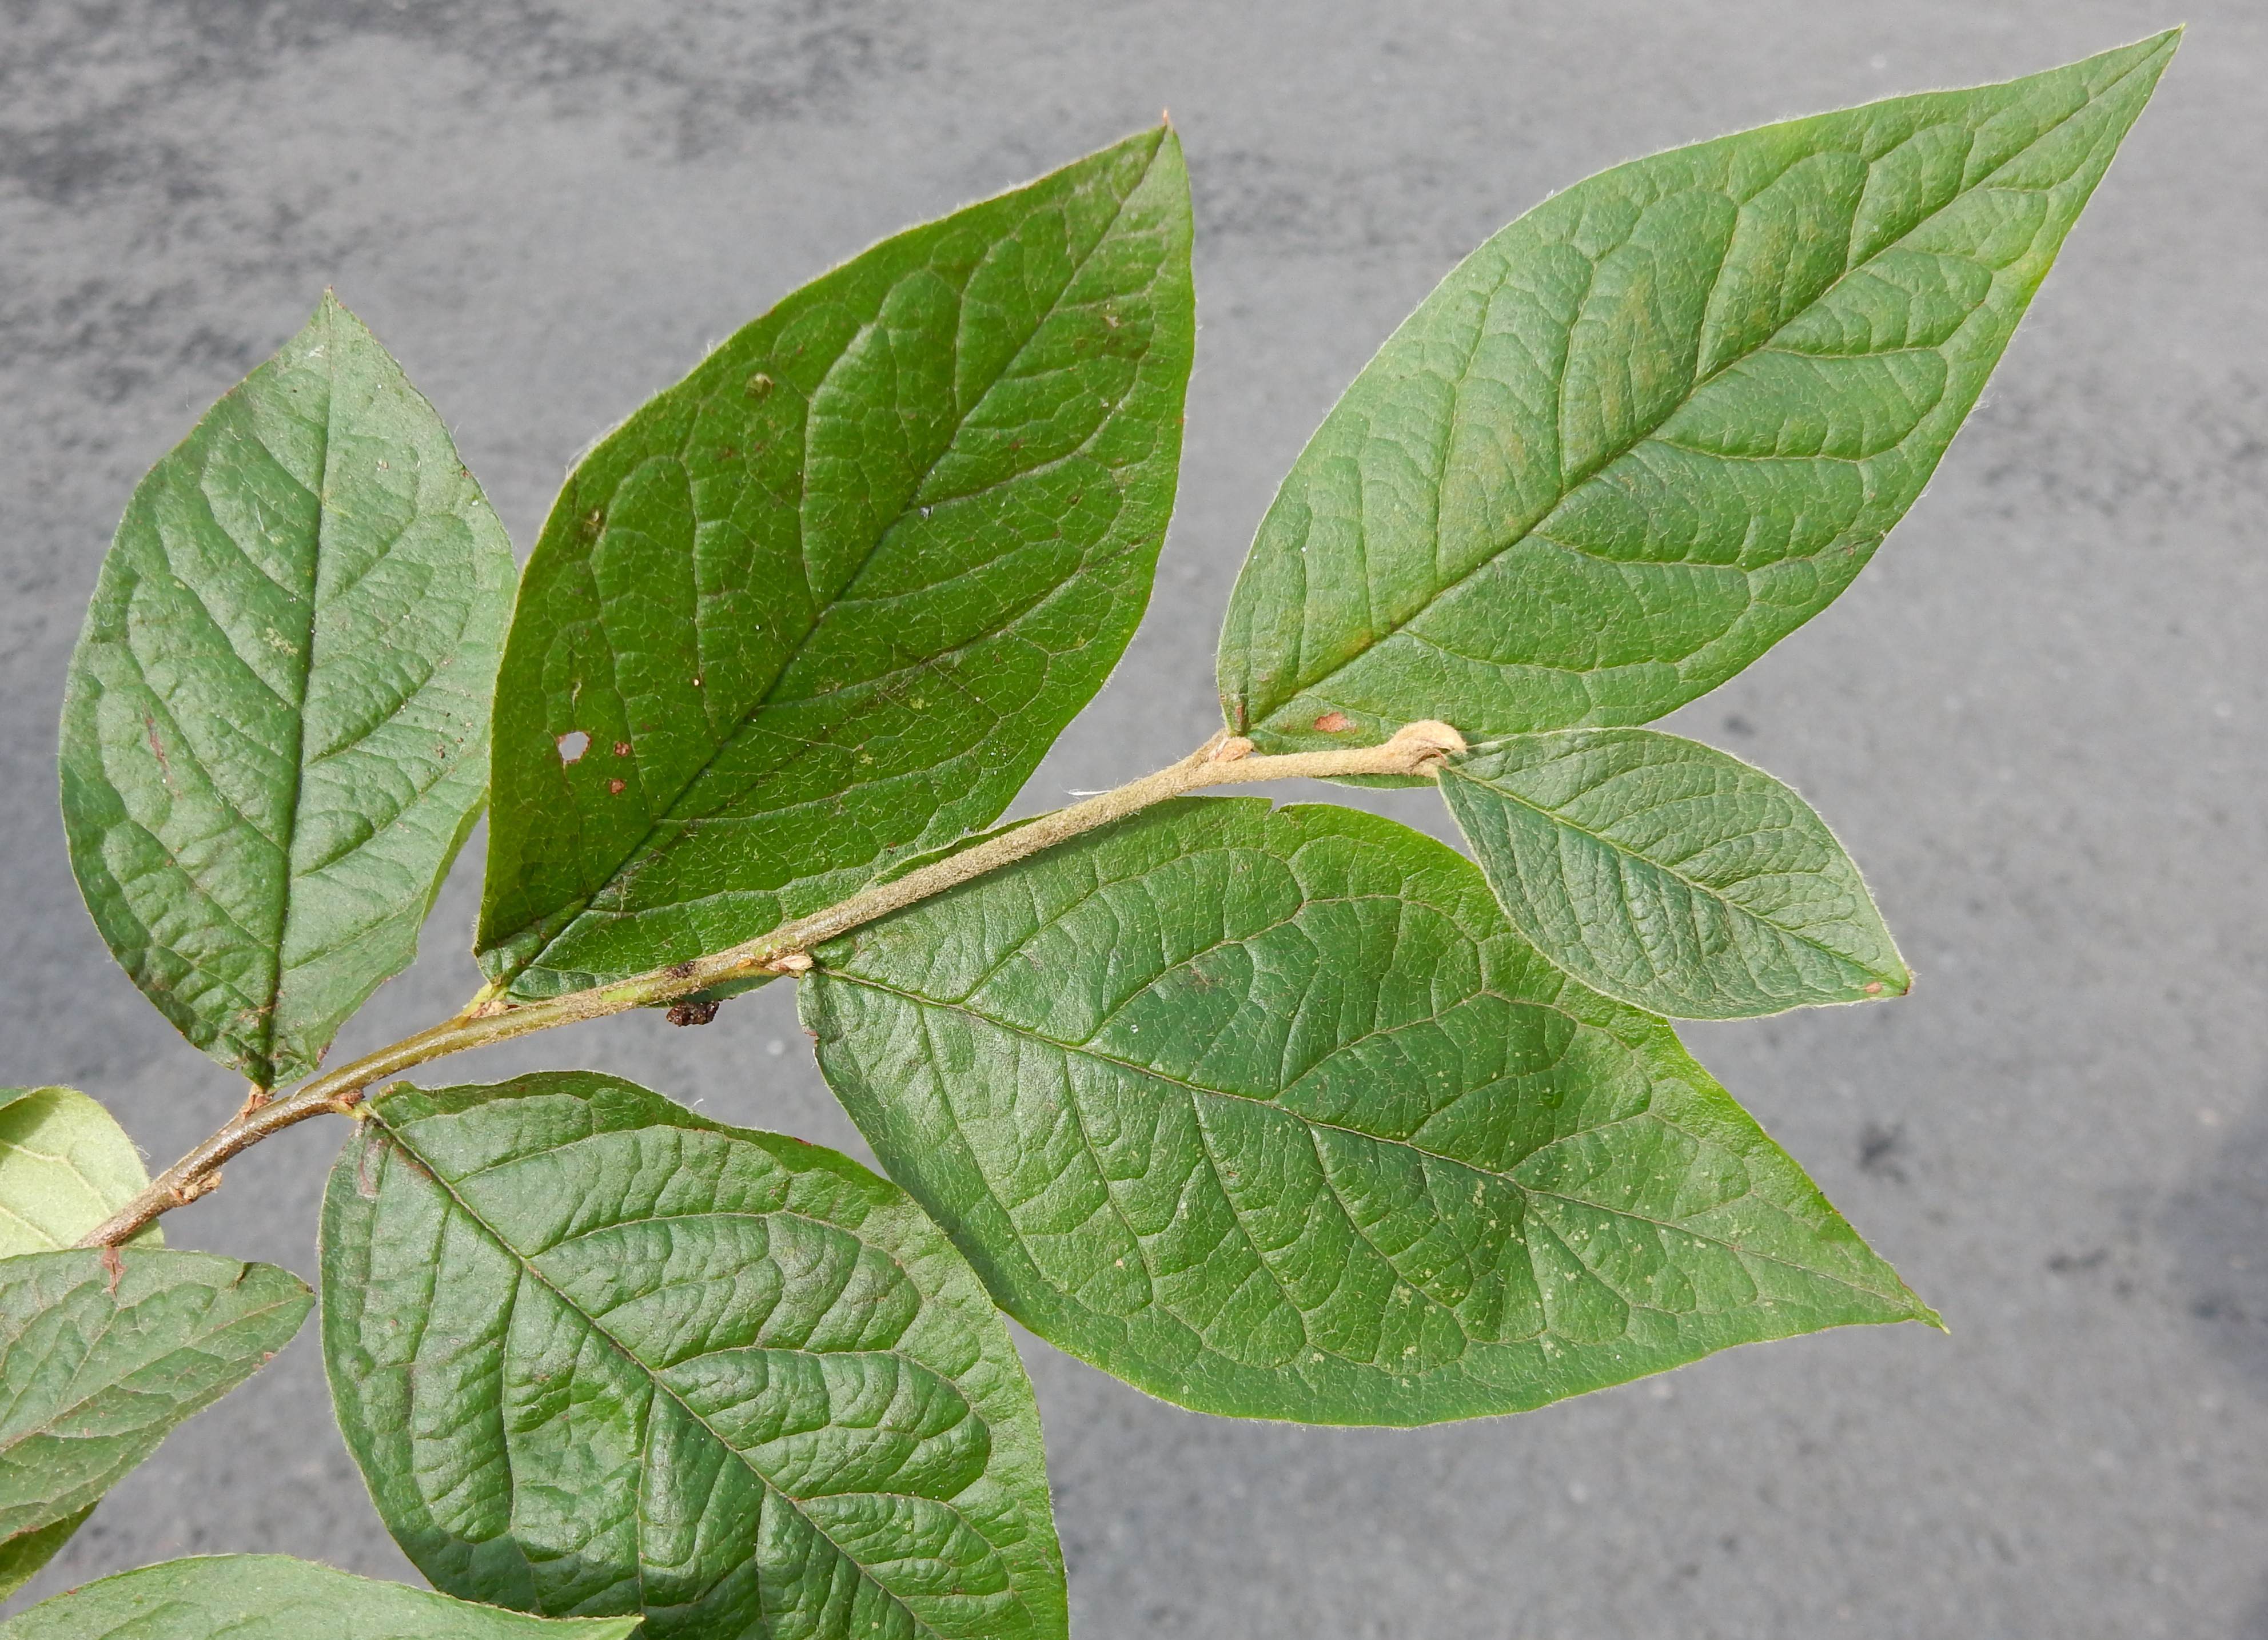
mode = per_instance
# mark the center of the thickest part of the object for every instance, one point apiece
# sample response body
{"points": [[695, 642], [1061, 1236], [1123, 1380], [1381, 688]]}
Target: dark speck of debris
{"points": [[1878, 1150], [693, 1013], [2074, 1263], [1738, 724]]}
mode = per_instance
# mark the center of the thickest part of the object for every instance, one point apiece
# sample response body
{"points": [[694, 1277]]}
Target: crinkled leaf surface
{"points": [[597, 1355], [65, 1166], [1662, 419], [826, 602], [273, 1597], [275, 729], [1270, 1112], [97, 1364], [1671, 874]]}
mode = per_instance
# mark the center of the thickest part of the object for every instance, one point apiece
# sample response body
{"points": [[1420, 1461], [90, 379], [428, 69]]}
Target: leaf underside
{"points": [[1669, 874], [22, 1555], [273, 1597], [65, 1166], [275, 728], [1664, 418], [597, 1355], [96, 1364], [825, 602], [1270, 1114]]}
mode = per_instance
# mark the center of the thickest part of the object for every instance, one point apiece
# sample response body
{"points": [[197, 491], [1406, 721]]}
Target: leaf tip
{"points": [[1890, 986]]}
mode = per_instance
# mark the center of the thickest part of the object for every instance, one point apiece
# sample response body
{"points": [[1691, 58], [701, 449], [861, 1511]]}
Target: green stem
{"points": [[1223, 760]]}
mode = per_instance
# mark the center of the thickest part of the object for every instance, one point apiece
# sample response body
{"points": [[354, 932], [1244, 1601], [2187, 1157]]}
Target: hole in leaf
{"points": [[572, 745]]}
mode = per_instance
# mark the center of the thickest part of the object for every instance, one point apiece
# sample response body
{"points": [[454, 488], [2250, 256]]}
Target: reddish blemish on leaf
{"points": [[614, 788], [1333, 723]]}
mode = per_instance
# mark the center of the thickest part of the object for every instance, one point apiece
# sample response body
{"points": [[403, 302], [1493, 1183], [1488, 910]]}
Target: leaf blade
{"points": [[65, 1166], [22, 1555], [274, 732], [273, 1597], [97, 1364], [826, 602], [1270, 1113], [1671, 875], [708, 1299], [1661, 420]]}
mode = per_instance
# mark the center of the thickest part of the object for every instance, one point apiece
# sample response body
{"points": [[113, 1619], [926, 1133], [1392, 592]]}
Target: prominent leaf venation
{"points": [[798, 1408], [1818, 301], [1014, 370], [657, 1389], [1671, 875], [1608, 455], [97, 1364], [1197, 1091], [275, 733], [1216, 1052]]}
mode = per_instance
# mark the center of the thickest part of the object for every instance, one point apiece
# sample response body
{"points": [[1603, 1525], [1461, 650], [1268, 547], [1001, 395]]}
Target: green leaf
{"points": [[826, 602], [1663, 420], [275, 729], [65, 1166], [1669, 874], [1270, 1113], [22, 1555], [273, 1597], [101, 1355], [597, 1356]]}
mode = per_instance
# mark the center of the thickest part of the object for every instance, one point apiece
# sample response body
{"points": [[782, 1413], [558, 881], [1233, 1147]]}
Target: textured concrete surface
{"points": [[2035, 719]]}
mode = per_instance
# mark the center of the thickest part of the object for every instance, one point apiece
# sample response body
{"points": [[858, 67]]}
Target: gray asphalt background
{"points": [[2037, 720]]}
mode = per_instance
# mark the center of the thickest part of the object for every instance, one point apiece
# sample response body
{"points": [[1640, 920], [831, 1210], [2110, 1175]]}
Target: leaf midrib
{"points": [[564, 919], [529, 1268], [1153, 1073], [269, 1030], [1569, 485]]}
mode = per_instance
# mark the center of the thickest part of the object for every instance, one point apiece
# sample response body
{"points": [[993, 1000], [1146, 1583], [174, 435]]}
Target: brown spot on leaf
{"points": [[165, 768], [621, 749], [1333, 723], [614, 787]]}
